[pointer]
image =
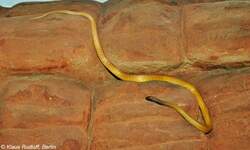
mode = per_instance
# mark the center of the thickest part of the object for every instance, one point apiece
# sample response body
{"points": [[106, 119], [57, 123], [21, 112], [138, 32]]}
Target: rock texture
{"points": [[149, 37], [55, 44], [159, 37], [218, 34], [55, 91], [44, 109], [127, 121], [229, 108]]}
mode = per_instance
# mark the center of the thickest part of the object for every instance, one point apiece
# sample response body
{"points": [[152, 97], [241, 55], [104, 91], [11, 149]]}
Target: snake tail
{"points": [[206, 127]]}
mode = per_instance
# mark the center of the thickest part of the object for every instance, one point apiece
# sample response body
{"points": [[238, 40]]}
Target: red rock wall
{"points": [[54, 90]]}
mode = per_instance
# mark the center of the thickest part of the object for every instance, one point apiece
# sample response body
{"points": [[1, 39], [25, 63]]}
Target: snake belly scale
{"points": [[206, 127]]}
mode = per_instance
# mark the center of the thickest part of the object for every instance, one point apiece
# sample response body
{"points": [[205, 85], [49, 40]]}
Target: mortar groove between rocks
{"points": [[90, 122]]}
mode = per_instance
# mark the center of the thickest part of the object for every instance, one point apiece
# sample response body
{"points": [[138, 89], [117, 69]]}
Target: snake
{"points": [[205, 127]]}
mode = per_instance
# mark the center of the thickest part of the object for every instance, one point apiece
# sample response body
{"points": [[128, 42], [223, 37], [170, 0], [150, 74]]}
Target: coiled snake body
{"points": [[206, 127]]}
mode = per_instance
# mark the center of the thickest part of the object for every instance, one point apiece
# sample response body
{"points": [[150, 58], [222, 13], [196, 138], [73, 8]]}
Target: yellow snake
{"points": [[206, 127]]}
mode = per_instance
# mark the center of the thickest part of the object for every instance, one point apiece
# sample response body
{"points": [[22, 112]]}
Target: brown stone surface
{"points": [[205, 42], [218, 34], [124, 120], [153, 36], [142, 36], [44, 109], [42, 7], [58, 43], [169, 2], [2, 10], [61, 138], [229, 102], [148, 36]]}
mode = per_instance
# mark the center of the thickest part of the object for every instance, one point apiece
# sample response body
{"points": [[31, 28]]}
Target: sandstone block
{"points": [[44, 109], [142, 36], [229, 103], [124, 120], [58, 43], [218, 34]]}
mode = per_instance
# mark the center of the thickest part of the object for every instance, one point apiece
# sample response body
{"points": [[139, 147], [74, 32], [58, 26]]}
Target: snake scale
{"points": [[206, 127]]}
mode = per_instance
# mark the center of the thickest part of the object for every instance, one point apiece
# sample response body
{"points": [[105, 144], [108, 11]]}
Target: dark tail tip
{"points": [[154, 100]]}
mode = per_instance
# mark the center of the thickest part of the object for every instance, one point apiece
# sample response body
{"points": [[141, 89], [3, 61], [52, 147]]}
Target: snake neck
{"points": [[144, 78]]}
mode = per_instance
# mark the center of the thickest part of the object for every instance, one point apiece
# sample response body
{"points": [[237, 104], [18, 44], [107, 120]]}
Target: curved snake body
{"points": [[206, 127]]}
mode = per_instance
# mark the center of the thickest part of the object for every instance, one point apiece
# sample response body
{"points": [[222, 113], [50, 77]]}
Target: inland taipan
{"points": [[206, 127]]}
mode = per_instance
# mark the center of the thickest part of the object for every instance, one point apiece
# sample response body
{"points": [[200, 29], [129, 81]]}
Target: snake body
{"points": [[206, 127]]}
